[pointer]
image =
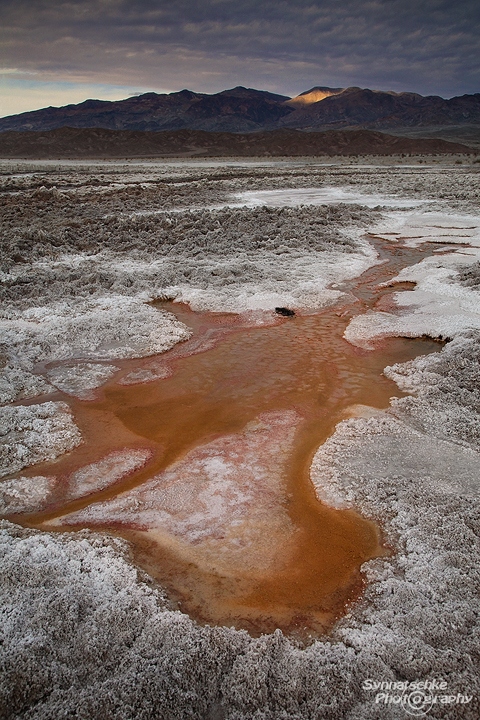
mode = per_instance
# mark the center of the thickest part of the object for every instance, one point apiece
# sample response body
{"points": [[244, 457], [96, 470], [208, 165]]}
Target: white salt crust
{"points": [[17, 384], [84, 636], [102, 329], [107, 471], [414, 228], [32, 494], [82, 379], [417, 483], [436, 307], [294, 197], [34, 433], [25, 494]]}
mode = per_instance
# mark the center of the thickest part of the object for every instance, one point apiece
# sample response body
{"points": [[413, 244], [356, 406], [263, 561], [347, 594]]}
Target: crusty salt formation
{"points": [[30, 434], [84, 633]]}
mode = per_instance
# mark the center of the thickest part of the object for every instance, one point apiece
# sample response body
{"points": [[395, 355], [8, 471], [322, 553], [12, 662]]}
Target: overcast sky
{"points": [[56, 52]]}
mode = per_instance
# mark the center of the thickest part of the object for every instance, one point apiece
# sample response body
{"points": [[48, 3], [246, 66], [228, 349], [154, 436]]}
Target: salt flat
{"points": [[82, 628], [319, 196]]}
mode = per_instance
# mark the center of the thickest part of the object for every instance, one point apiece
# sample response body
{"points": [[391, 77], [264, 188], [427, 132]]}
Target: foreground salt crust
{"points": [[446, 389], [278, 279], [102, 329], [84, 635], [30, 434], [25, 494], [82, 379], [414, 228], [105, 328], [437, 307], [106, 472], [18, 384]]}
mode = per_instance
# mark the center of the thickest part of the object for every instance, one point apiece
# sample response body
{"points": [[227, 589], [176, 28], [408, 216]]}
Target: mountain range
{"points": [[244, 110]]}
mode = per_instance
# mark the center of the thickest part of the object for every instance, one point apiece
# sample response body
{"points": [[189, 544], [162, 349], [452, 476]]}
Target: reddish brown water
{"points": [[283, 559]]}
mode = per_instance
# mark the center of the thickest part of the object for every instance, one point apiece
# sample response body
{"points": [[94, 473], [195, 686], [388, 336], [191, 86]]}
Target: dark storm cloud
{"points": [[429, 46]]}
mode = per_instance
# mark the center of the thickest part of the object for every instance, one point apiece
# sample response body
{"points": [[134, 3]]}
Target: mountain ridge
{"points": [[238, 110], [246, 110]]}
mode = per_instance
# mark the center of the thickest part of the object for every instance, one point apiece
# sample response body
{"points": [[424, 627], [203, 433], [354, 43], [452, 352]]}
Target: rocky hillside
{"points": [[94, 143], [383, 110]]}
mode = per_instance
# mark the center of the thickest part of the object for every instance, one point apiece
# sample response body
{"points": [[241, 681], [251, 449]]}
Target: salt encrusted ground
{"points": [[438, 306], [30, 494], [83, 635], [30, 434]]}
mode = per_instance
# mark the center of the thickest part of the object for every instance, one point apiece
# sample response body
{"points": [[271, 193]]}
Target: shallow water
{"points": [[224, 514]]}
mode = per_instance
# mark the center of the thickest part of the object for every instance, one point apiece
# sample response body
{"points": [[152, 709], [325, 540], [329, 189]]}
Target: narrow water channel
{"points": [[223, 514]]}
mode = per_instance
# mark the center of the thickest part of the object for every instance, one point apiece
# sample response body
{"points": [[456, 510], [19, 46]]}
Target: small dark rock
{"points": [[286, 312]]}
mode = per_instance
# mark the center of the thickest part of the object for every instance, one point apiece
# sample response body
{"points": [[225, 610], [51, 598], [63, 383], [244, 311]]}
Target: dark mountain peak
{"points": [[403, 94], [90, 104], [356, 90], [144, 96], [379, 109], [243, 92], [238, 90], [185, 94], [476, 96]]}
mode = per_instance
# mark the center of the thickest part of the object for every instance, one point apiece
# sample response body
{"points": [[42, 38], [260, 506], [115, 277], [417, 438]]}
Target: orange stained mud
{"points": [[293, 562]]}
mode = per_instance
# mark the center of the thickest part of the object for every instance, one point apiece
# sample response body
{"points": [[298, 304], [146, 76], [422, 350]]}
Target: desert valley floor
{"points": [[214, 508]]}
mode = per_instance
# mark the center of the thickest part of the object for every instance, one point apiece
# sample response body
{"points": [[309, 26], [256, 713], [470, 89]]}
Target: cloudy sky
{"points": [[56, 52]]}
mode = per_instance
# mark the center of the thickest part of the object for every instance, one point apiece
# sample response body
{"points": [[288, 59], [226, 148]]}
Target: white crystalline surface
{"points": [[106, 471], [34, 433], [446, 387], [25, 494], [18, 384], [229, 490], [100, 329], [376, 446], [319, 196], [83, 634], [145, 375], [30, 494], [104, 328], [437, 306], [82, 379], [418, 227], [275, 278]]}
